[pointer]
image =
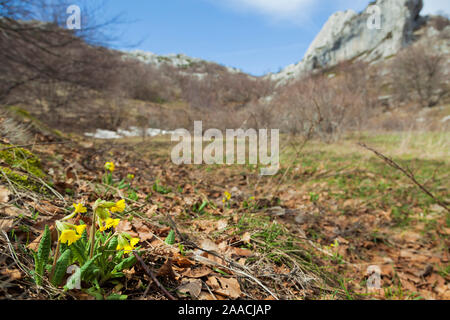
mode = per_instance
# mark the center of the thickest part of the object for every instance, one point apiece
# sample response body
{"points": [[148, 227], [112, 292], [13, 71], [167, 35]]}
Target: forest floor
{"points": [[334, 214]]}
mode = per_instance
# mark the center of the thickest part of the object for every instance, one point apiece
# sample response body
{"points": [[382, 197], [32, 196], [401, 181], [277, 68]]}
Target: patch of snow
{"points": [[445, 119], [103, 134], [131, 132]]}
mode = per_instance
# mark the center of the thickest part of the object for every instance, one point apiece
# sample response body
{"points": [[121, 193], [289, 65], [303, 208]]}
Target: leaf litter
{"points": [[292, 248]]}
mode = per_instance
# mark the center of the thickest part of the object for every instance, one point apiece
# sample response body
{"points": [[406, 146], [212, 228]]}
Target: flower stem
{"points": [[91, 254]]}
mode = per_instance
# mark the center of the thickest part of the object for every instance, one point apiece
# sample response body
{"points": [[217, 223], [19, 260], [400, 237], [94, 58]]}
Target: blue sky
{"points": [[257, 36]]}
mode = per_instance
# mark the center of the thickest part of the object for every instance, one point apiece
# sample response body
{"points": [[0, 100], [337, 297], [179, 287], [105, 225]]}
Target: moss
{"points": [[20, 165], [22, 159]]}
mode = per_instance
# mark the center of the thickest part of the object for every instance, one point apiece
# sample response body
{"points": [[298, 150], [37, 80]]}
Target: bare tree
{"points": [[44, 61], [420, 73]]}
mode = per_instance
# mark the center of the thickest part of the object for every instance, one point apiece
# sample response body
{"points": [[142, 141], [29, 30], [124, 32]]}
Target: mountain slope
{"points": [[347, 35]]}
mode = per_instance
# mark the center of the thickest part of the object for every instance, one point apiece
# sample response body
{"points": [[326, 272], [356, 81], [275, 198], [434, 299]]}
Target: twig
{"points": [[150, 273], [407, 173], [34, 144], [230, 262]]}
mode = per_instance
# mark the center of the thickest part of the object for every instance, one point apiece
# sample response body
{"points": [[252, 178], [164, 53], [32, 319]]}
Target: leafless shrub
{"points": [[420, 74], [331, 103], [439, 22]]}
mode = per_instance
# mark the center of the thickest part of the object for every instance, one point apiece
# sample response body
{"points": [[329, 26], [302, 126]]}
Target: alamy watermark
{"points": [[213, 153], [73, 22], [373, 278], [374, 20]]}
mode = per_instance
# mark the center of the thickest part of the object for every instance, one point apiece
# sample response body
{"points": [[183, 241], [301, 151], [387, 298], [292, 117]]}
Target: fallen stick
{"points": [[152, 275], [407, 173]]}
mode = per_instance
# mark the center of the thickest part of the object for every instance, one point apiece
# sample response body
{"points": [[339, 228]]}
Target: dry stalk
{"points": [[407, 172]]}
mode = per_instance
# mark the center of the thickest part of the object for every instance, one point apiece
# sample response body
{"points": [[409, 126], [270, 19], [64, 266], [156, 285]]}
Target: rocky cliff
{"points": [[348, 35]]}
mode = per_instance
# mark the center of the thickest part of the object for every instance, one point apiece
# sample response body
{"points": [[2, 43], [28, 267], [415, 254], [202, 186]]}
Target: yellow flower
{"points": [[112, 222], [79, 208], [227, 195], [130, 176], [119, 206], [80, 229], [109, 166], [134, 241], [109, 223], [123, 243], [69, 236]]}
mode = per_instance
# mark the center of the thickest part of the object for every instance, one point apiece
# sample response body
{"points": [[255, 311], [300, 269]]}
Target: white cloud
{"points": [[278, 9], [435, 6], [301, 11]]}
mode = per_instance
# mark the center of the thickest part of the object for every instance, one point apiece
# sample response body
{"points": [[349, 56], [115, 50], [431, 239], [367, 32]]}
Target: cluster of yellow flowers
{"points": [[109, 166], [102, 210], [227, 197], [126, 242], [71, 233]]}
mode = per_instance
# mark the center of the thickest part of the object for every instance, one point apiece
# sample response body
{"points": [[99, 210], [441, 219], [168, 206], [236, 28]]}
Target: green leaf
{"points": [[95, 293], [116, 296], [61, 267], [86, 268], [170, 240], [221, 272], [41, 257], [125, 264], [112, 245], [79, 253], [202, 206]]}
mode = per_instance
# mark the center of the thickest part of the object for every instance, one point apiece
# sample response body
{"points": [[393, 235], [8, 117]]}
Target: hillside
{"points": [[95, 204], [348, 36]]}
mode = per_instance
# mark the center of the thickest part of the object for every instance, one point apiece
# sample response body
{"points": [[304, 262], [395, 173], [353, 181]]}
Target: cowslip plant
{"points": [[98, 258], [124, 184], [226, 200], [109, 169], [170, 240]]}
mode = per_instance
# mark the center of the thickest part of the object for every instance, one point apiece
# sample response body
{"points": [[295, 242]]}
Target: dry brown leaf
{"points": [[152, 210], [144, 232], [14, 274], [242, 252], [387, 270], [126, 226], [209, 245], [246, 237], [45, 207], [206, 226], [197, 272], [222, 224], [166, 270], [4, 194], [206, 296], [193, 288], [6, 224], [407, 254], [12, 211], [228, 287], [182, 262]]}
